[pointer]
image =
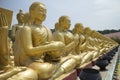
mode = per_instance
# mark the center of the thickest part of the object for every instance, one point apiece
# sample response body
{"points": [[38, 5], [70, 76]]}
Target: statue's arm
{"points": [[6, 75], [58, 37], [70, 46], [82, 46]]}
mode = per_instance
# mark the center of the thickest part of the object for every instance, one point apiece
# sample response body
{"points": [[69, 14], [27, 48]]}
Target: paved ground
{"points": [[116, 75]]}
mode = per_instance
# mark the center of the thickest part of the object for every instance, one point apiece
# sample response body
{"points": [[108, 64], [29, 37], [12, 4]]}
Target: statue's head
{"points": [[87, 31], [27, 19], [57, 27], [20, 16], [93, 33], [38, 11], [64, 22], [78, 28]]}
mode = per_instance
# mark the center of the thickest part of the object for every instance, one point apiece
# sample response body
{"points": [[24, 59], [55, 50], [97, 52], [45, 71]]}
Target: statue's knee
{"points": [[28, 74], [44, 70], [69, 64]]}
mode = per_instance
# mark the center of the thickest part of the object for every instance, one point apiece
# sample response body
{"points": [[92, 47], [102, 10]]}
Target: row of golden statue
{"points": [[38, 54]]}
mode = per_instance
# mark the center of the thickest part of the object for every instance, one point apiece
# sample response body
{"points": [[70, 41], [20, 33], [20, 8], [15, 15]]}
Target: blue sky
{"points": [[96, 14]]}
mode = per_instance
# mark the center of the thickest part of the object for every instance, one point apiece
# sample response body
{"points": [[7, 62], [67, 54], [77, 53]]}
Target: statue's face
{"points": [[88, 32], [40, 13], [65, 24], [20, 18], [80, 29]]}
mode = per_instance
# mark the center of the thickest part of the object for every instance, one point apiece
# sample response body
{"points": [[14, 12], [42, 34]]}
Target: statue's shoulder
{"points": [[15, 25], [46, 28], [60, 33], [82, 38]]}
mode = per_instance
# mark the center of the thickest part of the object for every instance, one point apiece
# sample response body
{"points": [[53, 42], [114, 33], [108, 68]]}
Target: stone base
{"points": [[72, 75], [94, 60]]}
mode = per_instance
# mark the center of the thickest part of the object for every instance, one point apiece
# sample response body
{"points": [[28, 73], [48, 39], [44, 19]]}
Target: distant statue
{"points": [[86, 48], [20, 18], [57, 32], [105, 44], [34, 46], [79, 29], [27, 19], [81, 49]]}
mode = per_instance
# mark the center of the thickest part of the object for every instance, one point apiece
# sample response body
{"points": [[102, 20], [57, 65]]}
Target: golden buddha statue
{"points": [[27, 19], [81, 49], [95, 44], [87, 33], [4, 42], [83, 43], [57, 32], [104, 44], [78, 29], [7, 71], [20, 18], [71, 59], [34, 47], [90, 49]]}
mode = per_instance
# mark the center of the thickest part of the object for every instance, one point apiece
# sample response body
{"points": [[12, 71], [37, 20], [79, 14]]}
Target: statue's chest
{"points": [[68, 37], [82, 38], [40, 35]]}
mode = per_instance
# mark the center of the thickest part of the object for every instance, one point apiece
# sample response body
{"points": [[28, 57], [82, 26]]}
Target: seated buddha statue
{"points": [[112, 42], [103, 43], [34, 46], [4, 42], [90, 48], [98, 42], [95, 43], [78, 29], [20, 19], [7, 71], [57, 32], [83, 43], [70, 59], [27, 18]]}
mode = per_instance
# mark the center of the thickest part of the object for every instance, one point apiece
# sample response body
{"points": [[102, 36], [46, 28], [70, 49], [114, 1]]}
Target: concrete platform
{"points": [[108, 74]]}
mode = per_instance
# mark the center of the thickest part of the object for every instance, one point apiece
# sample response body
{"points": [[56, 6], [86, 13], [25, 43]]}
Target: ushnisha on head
{"points": [[20, 17]]}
